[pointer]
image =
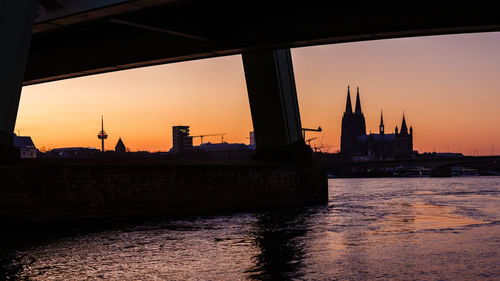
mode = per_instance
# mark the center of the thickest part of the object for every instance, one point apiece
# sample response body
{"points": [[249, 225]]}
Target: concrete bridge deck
{"points": [[75, 40]]}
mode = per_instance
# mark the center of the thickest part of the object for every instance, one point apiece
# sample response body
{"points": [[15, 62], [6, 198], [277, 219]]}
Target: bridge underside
{"points": [[147, 32]]}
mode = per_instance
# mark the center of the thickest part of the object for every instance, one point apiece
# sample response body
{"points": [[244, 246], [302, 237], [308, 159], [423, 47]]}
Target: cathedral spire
{"points": [[404, 128], [381, 127], [348, 106], [358, 104]]}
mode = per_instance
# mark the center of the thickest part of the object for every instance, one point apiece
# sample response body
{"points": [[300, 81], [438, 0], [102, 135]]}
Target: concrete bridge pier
{"points": [[273, 103], [16, 24]]}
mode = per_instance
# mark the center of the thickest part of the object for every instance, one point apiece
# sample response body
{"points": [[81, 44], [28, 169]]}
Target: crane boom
{"points": [[209, 135], [310, 130]]}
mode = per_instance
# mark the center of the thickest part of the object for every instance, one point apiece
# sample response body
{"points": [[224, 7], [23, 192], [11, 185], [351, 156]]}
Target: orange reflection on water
{"points": [[423, 216]]}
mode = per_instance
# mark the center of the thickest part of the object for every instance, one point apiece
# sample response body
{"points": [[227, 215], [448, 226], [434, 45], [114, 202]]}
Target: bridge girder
{"points": [[136, 33]]}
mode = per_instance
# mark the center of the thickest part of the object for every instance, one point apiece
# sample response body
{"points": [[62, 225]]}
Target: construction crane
{"points": [[322, 148], [209, 135], [311, 130], [308, 142]]}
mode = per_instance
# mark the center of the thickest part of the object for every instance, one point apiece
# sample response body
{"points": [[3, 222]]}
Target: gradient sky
{"points": [[448, 86]]}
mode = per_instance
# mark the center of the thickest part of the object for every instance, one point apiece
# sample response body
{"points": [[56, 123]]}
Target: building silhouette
{"points": [[182, 141], [27, 148], [120, 146], [224, 151], [353, 125], [183, 147], [356, 144], [73, 152]]}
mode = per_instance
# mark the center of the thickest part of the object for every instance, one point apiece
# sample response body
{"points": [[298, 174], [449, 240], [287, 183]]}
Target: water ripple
{"points": [[411, 229]]}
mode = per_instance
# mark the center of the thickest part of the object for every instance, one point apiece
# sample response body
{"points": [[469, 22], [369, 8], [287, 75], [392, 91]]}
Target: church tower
{"points": [[404, 128], [404, 140], [358, 104], [359, 117], [353, 126], [347, 134]]}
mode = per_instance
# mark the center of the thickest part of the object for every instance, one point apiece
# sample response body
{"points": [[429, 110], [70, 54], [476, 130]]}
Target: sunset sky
{"points": [[448, 87]]}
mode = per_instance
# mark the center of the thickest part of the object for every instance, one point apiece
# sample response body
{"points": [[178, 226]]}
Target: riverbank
{"points": [[56, 190]]}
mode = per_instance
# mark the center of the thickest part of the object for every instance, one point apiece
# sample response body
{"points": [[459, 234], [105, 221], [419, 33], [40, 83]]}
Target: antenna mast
{"points": [[102, 134]]}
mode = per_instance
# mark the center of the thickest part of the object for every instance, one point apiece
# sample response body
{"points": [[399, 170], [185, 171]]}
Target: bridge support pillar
{"points": [[16, 24], [273, 104]]}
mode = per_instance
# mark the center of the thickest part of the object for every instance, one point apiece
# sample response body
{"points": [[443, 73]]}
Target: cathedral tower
{"points": [[348, 106], [353, 126], [359, 117], [347, 134]]}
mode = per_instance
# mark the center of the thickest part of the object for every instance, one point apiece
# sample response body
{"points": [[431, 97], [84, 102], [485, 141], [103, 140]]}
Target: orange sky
{"points": [[448, 87]]}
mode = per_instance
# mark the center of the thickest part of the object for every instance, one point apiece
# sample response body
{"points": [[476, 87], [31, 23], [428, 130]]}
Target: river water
{"points": [[386, 228]]}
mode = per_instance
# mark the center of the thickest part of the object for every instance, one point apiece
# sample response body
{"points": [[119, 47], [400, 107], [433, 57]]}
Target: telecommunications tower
{"points": [[102, 134]]}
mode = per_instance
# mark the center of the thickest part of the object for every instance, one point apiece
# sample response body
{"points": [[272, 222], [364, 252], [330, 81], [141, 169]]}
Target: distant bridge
{"points": [[423, 162]]}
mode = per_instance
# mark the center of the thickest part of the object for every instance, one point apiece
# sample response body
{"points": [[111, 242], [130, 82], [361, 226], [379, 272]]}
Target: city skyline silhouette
{"points": [[445, 84]]}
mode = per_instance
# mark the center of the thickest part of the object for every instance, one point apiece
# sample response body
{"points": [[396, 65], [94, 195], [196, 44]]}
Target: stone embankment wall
{"points": [[69, 191]]}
